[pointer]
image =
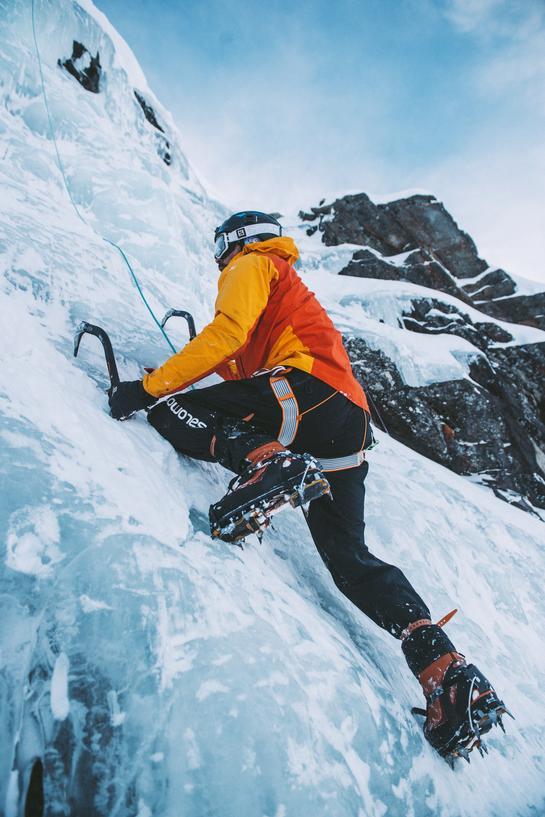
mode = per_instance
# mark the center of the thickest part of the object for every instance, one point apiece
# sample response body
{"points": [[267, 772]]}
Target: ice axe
{"points": [[181, 313], [86, 328], [90, 329]]}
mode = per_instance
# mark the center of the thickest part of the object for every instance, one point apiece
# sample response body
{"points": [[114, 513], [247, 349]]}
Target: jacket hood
{"points": [[284, 246]]}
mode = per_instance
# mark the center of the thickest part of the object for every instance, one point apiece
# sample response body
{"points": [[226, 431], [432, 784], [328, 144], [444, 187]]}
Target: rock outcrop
{"points": [[163, 145], [85, 68], [440, 254], [490, 425], [432, 316], [526, 309]]}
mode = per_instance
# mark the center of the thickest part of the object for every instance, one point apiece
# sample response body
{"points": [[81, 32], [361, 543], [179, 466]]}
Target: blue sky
{"points": [[280, 104]]}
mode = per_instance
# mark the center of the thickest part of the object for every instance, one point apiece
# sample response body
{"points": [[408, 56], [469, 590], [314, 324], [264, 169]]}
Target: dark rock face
{"points": [[163, 145], [149, 113], [418, 268], [492, 425], [443, 257], [418, 222], [356, 220], [526, 309], [431, 316], [494, 284], [83, 67], [432, 227]]}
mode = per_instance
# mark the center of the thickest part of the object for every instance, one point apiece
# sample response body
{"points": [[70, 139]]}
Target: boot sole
{"points": [[237, 525]]}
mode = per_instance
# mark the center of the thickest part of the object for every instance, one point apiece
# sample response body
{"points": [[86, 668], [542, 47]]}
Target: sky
{"points": [[282, 104]]}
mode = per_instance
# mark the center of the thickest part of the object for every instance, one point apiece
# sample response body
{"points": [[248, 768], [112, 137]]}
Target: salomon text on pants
{"points": [[226, 421]]}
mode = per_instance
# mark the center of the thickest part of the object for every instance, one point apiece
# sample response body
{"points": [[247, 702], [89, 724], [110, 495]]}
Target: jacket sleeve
{"points": [[228, 370], [243, 294]]}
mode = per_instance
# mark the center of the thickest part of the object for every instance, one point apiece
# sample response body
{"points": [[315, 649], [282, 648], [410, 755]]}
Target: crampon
{"points": [[263, 489], [468, 707]]}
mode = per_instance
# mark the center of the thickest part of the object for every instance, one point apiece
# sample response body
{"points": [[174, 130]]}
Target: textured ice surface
{"points": [[153, 671]]}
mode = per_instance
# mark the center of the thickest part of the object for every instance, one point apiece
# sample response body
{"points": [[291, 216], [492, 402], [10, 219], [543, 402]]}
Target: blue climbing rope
{"points": [[141, 293], [74, 205]]}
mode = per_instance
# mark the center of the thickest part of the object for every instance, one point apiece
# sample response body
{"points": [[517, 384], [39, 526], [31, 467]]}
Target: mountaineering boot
{"points": [[272, 478], [461, 704]]}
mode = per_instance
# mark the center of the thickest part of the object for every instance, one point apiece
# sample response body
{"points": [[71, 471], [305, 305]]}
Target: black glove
{"points": [[128, 397]]}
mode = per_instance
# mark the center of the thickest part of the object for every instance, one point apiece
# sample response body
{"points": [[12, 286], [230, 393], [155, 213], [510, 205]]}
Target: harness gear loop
{"points": [[342, 463], [350, 460], [289, 407], [290, 425]]}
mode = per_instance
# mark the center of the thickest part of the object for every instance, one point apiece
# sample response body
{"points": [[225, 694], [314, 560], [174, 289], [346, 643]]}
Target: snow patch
{"points": [[208, 688], [89, 605], [60, 702], [32, 541]]}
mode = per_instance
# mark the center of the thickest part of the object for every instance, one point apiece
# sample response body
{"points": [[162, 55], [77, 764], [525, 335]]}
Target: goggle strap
{"points": [[252, 229]]}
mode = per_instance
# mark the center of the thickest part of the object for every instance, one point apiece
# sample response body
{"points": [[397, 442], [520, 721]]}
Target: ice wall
{"points": [[150, 670]]}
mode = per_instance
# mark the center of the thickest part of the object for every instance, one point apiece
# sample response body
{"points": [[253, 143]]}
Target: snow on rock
{"points": [[374, 309], [453, 383], [376, 198], [152, 670]]}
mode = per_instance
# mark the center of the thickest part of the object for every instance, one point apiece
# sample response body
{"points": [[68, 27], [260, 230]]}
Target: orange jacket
{"points": [[264, 317]]}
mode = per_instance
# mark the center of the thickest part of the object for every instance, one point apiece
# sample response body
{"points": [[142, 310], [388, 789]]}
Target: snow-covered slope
{"points": [[153, 671], [374, 309]]}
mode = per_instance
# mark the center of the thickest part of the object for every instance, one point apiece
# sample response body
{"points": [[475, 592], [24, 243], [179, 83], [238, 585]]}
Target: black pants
{"points": [[238, 416]]}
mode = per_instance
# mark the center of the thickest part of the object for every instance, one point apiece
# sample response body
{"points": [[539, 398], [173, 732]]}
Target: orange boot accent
{"points": [[431, 679], [414, 625], [264, 451], [447, 618], [424, 622]]}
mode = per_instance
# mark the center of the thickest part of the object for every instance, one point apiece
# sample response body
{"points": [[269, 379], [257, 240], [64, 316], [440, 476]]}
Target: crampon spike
{"points": [[465, 754]]}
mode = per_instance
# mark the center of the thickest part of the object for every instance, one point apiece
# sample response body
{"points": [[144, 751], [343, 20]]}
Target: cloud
{"points": [[497, 196], [443, 94], [512, 36], [497, 186], [468, 15]]}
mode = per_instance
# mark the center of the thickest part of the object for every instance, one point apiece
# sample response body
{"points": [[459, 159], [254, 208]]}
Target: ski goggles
{"points": [[221, 245], [224, 241]]}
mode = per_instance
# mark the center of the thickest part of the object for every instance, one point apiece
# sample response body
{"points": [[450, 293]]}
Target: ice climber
{"points": [[291, 421]]}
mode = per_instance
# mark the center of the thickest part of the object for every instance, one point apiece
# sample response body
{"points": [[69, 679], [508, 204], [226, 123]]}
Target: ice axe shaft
{"points": [[90, 329], [181, 313], [86, 328]]}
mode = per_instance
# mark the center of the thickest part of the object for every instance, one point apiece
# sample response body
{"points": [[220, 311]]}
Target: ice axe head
{"points": [[90, 329], [181, 313]]}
